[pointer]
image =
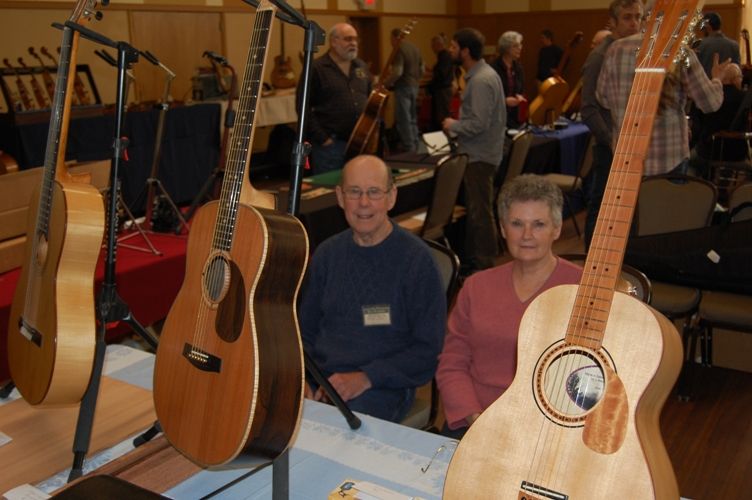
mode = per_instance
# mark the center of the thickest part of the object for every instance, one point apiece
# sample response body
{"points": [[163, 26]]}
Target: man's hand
{"points": [[718, 68], [446, 124], [348, 385], [328, 142]]}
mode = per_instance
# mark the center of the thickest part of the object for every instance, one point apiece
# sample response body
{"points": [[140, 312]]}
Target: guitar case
{"points": [[682, 257]]}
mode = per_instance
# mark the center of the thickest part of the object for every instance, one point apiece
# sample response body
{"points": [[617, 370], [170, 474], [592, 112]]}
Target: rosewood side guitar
{"points": [[364, 137], [594, 367], [52, 329], [546, 107], [228, 379]]}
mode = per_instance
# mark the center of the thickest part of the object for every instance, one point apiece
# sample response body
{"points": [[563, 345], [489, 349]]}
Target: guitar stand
{"points": [[110, 306], [207, 189]]}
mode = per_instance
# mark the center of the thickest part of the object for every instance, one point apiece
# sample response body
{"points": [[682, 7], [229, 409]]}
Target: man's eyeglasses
{"points": [[348, 39], [373, 193]]}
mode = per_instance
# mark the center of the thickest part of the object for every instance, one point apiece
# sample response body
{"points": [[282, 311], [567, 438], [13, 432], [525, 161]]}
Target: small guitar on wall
{"points": [[49, 82], [283, 77], [228, 378], [28, 104], [51, 333], [594, 367]]}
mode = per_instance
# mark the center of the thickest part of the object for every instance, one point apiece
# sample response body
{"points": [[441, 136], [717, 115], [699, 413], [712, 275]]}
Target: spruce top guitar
{"points": [[283, 76], [228, 378], [546, 106], [51, 333], [364, 137], [594, 367]]}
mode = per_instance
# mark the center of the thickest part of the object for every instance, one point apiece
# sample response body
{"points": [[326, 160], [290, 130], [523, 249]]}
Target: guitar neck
{"points": [[603, 265], [57, 135], [235, 183]]}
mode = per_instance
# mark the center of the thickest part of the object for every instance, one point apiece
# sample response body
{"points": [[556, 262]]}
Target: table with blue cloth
{"points": [[190, 147], [558, 151]]}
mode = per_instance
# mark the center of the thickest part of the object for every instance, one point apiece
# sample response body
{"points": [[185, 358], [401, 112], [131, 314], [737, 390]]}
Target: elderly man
{"points": [[339, 89], [373, 312]]}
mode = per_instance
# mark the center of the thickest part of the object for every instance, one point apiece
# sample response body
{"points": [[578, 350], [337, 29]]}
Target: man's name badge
{"points": [[378, 315]]}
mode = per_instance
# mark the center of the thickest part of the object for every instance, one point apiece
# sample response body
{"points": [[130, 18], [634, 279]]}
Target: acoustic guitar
{"points": [[39, 96], [546, 107], [364, 137], [51, 333], [594, 367], [283, 76], [49, 82], [23, 92], [228, 379]]}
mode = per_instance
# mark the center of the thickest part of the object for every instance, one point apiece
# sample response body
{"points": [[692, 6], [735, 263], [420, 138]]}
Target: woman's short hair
{"points": [[507, 40], [531, 187]]}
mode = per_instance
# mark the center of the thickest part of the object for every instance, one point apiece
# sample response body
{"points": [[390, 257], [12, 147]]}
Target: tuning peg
{"points": [[98, 16]]}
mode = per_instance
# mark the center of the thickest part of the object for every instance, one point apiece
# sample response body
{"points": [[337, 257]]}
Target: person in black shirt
{"points": [[549, 56], [440, 85], [339, 89], [509, 68]]}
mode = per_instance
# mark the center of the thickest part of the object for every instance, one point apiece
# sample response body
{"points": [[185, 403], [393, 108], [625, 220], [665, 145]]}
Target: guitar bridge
{"points": [[202, 360], [532, 491], [30, 333]]}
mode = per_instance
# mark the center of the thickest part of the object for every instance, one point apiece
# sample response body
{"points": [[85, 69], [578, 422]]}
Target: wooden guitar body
{"points": [[544, 433], [546, 106], [283, 76], [228, 379], [365, 136], [54, 298]]}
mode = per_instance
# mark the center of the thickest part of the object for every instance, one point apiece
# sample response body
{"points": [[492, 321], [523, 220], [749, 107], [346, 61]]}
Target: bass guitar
{"points": [[594, 367], [51, 333], [228, 379], [365, 135], [546, 107]]}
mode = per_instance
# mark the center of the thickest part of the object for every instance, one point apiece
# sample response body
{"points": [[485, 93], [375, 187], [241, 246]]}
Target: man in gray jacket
{"points": [[480, 134]]}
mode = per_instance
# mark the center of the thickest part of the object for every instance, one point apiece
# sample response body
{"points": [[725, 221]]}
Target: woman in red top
{"points": [[478, 361]]}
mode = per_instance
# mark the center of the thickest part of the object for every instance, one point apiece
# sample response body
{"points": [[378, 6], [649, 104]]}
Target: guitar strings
{"points": [[219, 269], [637, 108]]}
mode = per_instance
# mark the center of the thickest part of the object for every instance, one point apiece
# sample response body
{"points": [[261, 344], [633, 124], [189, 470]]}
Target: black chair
{"points": [[423, 413], [633, 281]]}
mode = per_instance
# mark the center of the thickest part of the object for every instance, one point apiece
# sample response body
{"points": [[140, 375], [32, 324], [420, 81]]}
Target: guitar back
{"points": [[556, 444]]}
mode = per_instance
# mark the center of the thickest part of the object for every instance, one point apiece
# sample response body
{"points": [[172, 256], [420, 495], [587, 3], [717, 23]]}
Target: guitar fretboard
{"points": [[239, 148]]}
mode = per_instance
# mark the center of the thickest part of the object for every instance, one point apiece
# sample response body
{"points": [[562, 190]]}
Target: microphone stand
{"points": [[153, 183], [110, 306], [103, 54], [218, 172]]}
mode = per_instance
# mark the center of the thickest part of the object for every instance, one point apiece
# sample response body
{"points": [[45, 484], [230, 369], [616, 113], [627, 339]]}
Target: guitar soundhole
{"points": [[569, 382], [216, 278]]}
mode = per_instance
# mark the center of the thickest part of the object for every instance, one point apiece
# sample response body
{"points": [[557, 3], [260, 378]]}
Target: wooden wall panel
{"points": [[178, 39]]}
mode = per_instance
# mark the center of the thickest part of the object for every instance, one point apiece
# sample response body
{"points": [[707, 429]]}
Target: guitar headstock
{"points": [[407, 28], [84, 10], [668, 33], [745, 34]]}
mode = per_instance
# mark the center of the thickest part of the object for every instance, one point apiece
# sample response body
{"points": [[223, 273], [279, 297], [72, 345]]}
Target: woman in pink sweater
{"points": [[478, 361]]}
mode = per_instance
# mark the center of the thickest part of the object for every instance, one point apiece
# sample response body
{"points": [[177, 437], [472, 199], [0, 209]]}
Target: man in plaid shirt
{"points": [[669, 145]]}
